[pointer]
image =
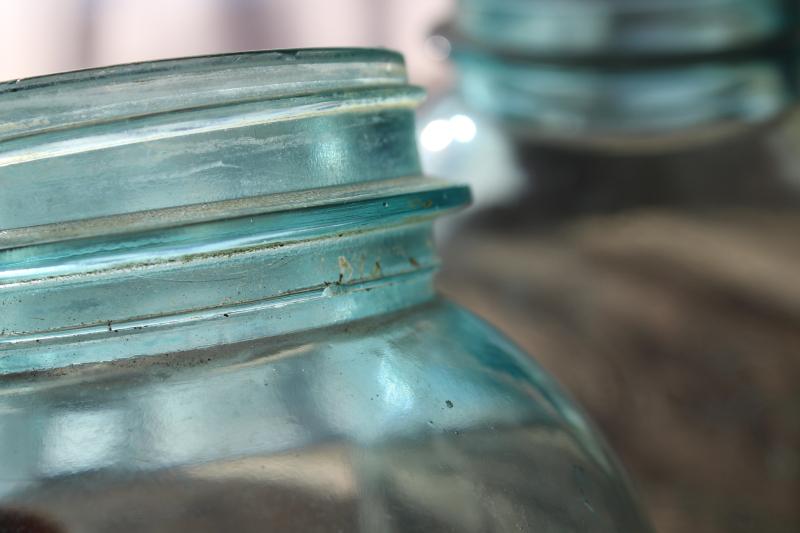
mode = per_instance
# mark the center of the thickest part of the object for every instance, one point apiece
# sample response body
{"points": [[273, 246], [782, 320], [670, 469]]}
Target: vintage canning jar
{"points": [[217, 314]]}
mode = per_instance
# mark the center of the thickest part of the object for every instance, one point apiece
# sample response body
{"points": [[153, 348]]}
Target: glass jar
{"points": [[553, 89], [217, 314]]}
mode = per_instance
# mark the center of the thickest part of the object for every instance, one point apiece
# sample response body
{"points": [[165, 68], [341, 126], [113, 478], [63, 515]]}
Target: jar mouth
{"points": [[168, 134]]}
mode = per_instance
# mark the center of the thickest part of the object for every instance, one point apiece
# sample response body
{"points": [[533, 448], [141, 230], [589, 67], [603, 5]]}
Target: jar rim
{"points": [[133, 89], [644, 29], [167, 134], [177, 64]]}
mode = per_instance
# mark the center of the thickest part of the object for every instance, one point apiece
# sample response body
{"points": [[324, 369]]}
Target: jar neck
{"points": [[277, 192]]}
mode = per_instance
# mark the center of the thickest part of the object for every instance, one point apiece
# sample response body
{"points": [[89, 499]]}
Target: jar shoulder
{"points": [[422, 420]]}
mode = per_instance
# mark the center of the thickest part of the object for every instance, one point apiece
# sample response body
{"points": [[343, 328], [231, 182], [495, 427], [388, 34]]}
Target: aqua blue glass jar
{"points": [[625, 75], [217, 314]]}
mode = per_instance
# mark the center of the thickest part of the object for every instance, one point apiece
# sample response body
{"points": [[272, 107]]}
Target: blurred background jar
{"points": [[586, 92], [640, 231]]}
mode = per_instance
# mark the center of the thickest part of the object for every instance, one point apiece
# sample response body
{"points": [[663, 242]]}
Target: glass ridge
{"points": [[298, 170]]}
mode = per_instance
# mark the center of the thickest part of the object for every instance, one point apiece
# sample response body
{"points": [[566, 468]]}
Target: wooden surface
{"points": [[679, 333]]}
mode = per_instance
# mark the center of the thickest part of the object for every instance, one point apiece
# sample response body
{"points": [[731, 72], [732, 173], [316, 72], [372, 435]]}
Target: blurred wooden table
{"points": [[679, 333]]}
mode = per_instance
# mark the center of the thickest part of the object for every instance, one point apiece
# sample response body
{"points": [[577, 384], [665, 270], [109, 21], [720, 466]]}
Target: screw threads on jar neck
{"points": [[207, 195]]}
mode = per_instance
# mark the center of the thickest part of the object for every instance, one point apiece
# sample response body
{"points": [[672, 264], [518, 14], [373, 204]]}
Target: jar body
{"points": [[421, 420]]}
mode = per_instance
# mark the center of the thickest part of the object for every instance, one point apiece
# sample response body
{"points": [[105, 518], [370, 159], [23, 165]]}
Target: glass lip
{"points": [[70, 100], [163, 219], [185, 64], [284, 224]]}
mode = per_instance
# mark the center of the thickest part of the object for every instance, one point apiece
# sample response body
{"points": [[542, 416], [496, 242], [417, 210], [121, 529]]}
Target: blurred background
{"points": [[636, 171]]}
